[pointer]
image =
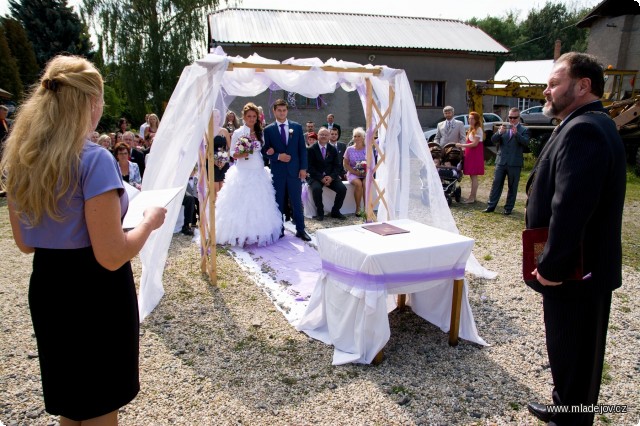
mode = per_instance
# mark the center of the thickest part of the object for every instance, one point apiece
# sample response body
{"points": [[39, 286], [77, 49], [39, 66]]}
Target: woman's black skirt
{"points": [[86, 323]]}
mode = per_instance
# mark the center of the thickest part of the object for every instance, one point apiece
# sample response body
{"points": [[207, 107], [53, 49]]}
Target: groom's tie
{"points": [[283, 135]]}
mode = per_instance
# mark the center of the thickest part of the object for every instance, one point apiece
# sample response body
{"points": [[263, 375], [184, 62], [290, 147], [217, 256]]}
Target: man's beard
{"points": [[552, 108]]}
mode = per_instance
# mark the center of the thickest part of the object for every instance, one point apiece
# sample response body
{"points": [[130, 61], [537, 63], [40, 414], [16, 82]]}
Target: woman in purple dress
{"points": [[65, 205], [354, 157], [473, 154]]}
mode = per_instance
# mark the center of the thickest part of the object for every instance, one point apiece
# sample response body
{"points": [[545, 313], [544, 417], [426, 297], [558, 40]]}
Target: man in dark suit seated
{"points": [[334, 135], [324, 170]]}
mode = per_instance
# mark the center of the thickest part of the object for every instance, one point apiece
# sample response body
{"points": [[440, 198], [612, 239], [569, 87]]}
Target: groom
{"points": [[287, 152]]}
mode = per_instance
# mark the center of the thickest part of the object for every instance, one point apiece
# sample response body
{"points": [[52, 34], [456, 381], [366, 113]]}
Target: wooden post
{"points": [[207, 221], [456, 302], [369, 146], [211, 246]]}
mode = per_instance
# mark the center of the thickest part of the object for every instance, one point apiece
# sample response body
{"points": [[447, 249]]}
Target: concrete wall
{"points": [[616, 41], [452, 68]]}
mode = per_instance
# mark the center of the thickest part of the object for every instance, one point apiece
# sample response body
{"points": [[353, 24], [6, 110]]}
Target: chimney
{"points": [[556, 50]]}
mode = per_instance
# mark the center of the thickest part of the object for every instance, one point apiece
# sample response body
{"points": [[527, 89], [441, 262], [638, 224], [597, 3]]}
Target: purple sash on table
{"points": [[392, 281]]}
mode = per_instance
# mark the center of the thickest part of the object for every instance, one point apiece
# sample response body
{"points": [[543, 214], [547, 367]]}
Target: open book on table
{"points": [[140, 200]]}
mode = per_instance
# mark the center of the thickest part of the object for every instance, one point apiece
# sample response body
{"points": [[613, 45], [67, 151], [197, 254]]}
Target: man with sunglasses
{"points": [[511, 141]]}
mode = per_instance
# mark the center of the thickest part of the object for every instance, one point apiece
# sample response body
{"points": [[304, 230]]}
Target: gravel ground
{"points": [[223, 355]]}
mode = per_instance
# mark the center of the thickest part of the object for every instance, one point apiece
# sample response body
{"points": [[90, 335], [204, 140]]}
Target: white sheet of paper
{"points": [[144, 199], [132, 191]]}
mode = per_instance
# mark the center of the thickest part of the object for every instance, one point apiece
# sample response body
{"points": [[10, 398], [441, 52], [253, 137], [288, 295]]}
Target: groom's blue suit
{"points": [[286, 175]]}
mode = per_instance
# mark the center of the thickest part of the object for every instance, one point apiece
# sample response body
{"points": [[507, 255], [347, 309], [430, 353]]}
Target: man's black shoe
{"points": [[506, 212], [338, 216], [186, 230], [303, 236], [489, 210], [319, 218], [282, 232], [539, 411]]}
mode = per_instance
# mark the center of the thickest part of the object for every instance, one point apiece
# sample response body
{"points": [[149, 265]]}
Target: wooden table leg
{"points": [[402, 300], [456, 302], [378, 358]]}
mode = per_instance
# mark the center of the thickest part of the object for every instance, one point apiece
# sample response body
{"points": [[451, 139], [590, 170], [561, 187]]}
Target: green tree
{"points": [[505, 30], [553, 22], [151, 41], [21, 50], [52, 27], [9, 74], [534, 38]]}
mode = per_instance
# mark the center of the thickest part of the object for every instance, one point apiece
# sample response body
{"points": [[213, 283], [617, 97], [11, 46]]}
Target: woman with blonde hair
{"points": [[151, 130], [473, 154], [66, 201], [353, 160], [105, 141]]}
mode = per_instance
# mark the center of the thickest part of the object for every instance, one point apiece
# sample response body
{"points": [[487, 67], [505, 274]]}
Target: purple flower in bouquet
{"points": [[247, 145], [361, 166]]}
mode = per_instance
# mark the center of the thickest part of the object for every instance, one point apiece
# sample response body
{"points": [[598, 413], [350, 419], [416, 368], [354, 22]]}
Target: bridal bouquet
{"points": [[221, 157], [361, 166], [246, 145]]}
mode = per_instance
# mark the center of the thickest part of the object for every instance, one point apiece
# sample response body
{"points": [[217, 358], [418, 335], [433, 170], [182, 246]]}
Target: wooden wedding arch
{"points": [[207, 221]]}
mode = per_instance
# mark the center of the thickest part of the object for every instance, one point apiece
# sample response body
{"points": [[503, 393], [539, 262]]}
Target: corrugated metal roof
{"points": [[258, 26]]}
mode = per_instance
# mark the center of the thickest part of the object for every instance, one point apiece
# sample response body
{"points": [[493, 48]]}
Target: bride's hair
{"points": [[256, 127]]}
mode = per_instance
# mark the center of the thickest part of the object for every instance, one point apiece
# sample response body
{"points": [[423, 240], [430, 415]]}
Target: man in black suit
{"points": [[341, 147], [330, 124], [324, 170], [577, 190]]}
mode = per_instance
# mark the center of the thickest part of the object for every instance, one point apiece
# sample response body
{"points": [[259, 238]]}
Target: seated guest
{"points": [[135, 151], [341, 147], [311, 138], [129, 171], [105, 142], [324, 170], [310, 128], [151, 130], [355, 163]]}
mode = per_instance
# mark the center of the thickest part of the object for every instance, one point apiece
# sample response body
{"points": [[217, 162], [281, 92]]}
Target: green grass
{"points": [[606, 377]]}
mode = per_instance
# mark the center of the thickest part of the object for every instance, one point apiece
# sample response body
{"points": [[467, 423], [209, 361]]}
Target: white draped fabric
{"points": [[206, 86]]}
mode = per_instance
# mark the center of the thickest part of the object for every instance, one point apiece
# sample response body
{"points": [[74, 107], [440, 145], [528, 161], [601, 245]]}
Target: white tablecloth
{"points": [[362, 270]]}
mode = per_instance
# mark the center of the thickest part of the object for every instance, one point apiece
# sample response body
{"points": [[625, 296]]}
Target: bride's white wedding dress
{"points": [[246, 208]]}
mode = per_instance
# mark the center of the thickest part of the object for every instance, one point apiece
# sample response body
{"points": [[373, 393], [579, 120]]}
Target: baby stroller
{"points": [[448, 161], [450, 172]]}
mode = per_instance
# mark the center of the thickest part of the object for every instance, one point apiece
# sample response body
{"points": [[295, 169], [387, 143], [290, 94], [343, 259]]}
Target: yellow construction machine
{"points": [[621, 98]]}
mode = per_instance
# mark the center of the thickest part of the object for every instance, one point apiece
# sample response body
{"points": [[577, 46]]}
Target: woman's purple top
{"points": [[99, 173], [354, 155]]}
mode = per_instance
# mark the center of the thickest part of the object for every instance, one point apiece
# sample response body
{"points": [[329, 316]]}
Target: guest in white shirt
{"points": [[144, 125]]}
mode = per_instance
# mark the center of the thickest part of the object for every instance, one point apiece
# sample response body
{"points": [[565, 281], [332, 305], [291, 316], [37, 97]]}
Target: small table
{"points": [[361, 272]]}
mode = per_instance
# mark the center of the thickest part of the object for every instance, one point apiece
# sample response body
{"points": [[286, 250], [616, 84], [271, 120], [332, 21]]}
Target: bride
{"points": [[246, 209]]}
